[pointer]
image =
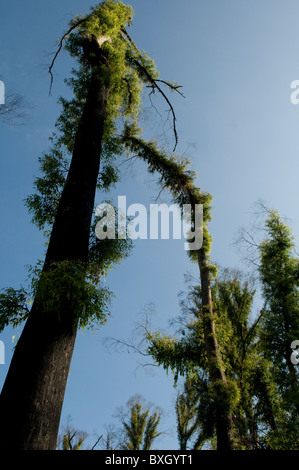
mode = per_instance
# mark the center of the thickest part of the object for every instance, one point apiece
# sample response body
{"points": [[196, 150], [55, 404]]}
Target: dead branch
{"points": [[60, 47], [15, 110], [154, 85], [97, 441]]}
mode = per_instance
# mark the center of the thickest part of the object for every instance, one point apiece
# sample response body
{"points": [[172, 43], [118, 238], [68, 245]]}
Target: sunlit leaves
{"points": [[174, 175], [14, 307]]}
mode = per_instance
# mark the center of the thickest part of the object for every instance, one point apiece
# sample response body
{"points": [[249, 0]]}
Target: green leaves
{"points": [[140, 427], [106, 20], [174, 175], [70, 283], [14, 307], [43, 204], [280, 326]]}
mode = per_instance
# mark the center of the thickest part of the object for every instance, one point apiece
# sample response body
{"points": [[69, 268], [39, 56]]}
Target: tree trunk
{"points": [[33, 393], [216, 369]]}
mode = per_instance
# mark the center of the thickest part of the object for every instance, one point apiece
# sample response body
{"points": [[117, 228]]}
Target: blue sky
{"points": [[235, 60]]}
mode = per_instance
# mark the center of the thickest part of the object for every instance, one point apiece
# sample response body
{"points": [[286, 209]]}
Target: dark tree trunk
{"points": [[216, 369], [33, 393]]}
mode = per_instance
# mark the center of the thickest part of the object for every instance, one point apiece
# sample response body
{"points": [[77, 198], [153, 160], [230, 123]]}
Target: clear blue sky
{"points": [[235, 61]]}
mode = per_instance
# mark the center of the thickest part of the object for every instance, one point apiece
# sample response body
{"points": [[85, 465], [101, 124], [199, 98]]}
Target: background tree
{"points": [[14, 110], [279, 274], [72, 439], [253, 399], [140, 427], [186, 415], [174, 176]]}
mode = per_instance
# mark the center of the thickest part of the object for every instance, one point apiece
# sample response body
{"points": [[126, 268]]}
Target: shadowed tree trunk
{"points": [[33, 393], [216, 368]]}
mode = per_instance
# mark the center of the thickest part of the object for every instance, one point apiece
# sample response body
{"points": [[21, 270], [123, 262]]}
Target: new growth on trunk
{"points": [[67, 294], [180, 182], [33, 392]]}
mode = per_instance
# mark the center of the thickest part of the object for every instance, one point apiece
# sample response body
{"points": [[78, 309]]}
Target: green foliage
{"points": [[280, 284], [66, 445], [104, 254], [186, 415], [285, 435], [140, 428], [180, 356], [80, 285], [224, 396], [126, 72], [250, 392], [136, 427], [106, 20], [280, 326], [43, 204], [174, 175], [151, 432], [14, 307], [70, 283], [71, 439]]}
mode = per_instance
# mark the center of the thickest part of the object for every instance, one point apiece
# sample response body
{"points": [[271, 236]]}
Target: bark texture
{"points": [[216, 369], [33, 393]]}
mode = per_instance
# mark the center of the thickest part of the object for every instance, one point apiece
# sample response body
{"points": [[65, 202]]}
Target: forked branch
{"points": [[74, 26], [154, 85]]}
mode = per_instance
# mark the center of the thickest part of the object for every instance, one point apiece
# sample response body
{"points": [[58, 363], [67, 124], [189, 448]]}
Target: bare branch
{"points": [[97, 441], [60, 47], [128, 346], [154, 84], [14, 111], [157, 87], [171, 86]]}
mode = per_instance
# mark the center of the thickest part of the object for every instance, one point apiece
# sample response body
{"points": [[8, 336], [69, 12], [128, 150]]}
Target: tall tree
{"points": [[66, 291], [250, 394], [186, 414], [279, 274], [139, 427], [180, 181]]}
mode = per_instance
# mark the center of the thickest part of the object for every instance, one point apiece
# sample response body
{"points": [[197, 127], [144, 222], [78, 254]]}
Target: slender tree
{"points": [[276, 262], [72, 439], [252, 396], [140, 427], [279, 270], [279, 274], [186, 414], [180, 181], [65, 287]]}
